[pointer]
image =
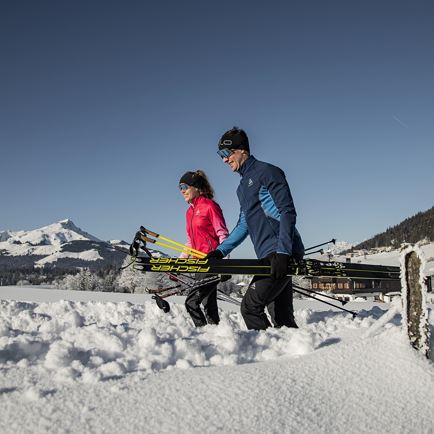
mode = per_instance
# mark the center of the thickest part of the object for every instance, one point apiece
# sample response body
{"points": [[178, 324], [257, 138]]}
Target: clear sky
{"points": [[105, 104]]}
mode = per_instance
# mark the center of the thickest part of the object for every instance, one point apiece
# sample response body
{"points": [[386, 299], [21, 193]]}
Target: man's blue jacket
{"points": [[267, 212]]}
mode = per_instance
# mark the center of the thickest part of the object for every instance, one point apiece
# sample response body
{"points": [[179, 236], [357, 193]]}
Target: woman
{"points": [[206, 229]]}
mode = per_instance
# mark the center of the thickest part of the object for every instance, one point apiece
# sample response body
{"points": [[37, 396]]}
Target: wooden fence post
{"points": [[414, 292]]}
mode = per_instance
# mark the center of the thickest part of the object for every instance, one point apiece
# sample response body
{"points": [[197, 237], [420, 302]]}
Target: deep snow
{"points": [[100, 362]]}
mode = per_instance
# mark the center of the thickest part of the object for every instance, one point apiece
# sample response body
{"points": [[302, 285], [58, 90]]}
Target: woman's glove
{"points": [[215, 254]]}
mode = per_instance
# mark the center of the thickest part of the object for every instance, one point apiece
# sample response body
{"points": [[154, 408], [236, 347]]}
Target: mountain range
{"points": [[61, 245]]}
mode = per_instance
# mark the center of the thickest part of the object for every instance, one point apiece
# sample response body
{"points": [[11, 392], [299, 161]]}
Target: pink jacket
{"points": [[206, 227]]}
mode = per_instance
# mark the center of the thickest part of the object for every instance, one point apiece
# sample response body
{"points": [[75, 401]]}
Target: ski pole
{"points": [[169, 293], [321, 295], [224, 297], [164, 290], [316, 251], [190, 250], [333, 240], [135, 246], [196, 286], [203, 282], [179, 249], [326, 302], [154, 234], [159, 297]]}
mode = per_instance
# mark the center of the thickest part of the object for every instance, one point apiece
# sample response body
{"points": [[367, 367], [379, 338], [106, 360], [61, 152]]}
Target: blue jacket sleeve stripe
{"points": [[236, 237], [267, 204]]}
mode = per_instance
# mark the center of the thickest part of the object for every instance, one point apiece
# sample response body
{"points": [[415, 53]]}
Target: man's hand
{"points": [[279, 265], [215, 254]]}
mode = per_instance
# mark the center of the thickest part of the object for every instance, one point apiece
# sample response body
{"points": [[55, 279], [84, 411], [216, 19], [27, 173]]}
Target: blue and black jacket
{"points": [[267, 212]]}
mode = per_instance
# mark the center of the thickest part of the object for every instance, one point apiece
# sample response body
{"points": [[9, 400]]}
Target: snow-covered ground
{"points": [[390, 257], [100, 362]]}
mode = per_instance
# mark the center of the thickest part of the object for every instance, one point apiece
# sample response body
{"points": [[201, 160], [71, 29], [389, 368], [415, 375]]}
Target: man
{"points": [[268, 216]]}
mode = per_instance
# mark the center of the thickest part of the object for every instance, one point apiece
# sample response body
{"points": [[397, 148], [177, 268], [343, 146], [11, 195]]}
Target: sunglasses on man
{"points": [[225, 152]]}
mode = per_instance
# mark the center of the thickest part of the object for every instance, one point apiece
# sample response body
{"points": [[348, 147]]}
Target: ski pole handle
{"points": [[147, 231]]}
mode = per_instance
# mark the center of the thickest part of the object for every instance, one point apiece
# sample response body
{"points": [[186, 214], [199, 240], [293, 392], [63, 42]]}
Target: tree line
{"points": [[411, 230], [44, 276]]}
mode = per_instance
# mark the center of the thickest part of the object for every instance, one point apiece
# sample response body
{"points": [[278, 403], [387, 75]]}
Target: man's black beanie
{"points": [[235, 138]]}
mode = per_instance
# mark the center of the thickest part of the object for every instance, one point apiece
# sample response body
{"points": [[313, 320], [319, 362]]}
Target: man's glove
{"points": [[279, 265], [215, 254]]}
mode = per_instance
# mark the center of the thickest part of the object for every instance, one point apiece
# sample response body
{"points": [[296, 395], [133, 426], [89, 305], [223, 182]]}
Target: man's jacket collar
{"points": [[246, 165]]}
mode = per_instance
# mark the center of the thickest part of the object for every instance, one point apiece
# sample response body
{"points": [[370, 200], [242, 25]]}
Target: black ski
{"points": [[305, 267]]}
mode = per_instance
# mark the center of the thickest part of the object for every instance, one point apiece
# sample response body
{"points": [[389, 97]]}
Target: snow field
{"points": [[109, 367], [95, 341]]}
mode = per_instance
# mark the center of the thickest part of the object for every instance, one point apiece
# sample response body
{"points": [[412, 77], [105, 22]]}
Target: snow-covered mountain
{"points": [[338, 247], [61, 244]]}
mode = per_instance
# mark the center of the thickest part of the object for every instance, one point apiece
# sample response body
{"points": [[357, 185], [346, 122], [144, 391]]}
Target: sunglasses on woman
{"points": [[183, 186]]}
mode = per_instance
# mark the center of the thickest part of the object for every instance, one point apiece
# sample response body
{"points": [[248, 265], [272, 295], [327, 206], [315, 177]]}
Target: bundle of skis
{"points": [[198, 263], [183, 271]]}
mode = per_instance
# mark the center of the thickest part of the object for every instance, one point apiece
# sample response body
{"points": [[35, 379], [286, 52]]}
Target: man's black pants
{"points": [[276, 295]]}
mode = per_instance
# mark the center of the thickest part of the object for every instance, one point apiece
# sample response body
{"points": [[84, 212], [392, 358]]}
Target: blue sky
{"points": [[105, 104]]}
